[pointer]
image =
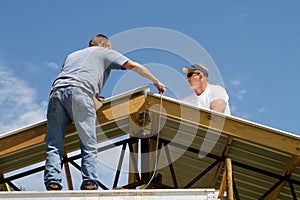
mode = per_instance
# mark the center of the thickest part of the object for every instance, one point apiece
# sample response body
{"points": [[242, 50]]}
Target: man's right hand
{"points": [[161, 88]]}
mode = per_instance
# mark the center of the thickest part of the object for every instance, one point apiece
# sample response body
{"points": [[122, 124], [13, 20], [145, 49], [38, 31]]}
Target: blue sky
{"points": [[254, 44]]}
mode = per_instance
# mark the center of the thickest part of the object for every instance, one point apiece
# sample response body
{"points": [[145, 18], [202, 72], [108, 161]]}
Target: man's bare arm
{"points": [[143, 71], [218, 105]]}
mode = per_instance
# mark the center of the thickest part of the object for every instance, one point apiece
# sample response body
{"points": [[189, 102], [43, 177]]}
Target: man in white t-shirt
{"points": [[206, 95]]}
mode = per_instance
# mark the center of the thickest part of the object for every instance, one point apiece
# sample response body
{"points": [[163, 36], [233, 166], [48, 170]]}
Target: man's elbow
{"points": [[129, 65], [219, 106]]}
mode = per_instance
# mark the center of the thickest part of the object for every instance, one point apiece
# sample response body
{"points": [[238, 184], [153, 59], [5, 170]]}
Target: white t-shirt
{"points": [[210, 94]]}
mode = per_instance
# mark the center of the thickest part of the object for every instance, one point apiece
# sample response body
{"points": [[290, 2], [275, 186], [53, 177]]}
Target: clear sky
{"points": [[254, 44]]}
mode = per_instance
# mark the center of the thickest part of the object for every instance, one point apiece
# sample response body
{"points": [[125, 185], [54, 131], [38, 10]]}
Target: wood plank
{"points": [[37, 134], [229, 179], [254, 133], [26, 139], [114, 111], [68, 172], [23, 139], [222, 186], [221, 164]]}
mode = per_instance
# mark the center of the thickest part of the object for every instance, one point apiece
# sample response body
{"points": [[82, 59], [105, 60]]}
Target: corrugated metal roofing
{"points": [[265, 160]]}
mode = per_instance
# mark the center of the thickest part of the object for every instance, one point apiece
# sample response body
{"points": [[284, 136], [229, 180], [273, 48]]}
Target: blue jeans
{"points": [[67, 105]]}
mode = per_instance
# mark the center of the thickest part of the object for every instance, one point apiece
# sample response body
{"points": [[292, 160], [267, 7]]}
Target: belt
{"points": [[97, 102]]}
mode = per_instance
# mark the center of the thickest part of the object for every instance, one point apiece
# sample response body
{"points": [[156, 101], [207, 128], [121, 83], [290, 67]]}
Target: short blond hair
{"points": [[100, 40]]}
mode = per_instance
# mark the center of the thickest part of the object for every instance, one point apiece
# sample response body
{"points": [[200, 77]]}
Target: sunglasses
{"points": [[189, 75]]}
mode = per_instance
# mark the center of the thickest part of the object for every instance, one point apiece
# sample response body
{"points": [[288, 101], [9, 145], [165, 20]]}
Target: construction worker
{"points": [[205, 95], [83, 76]]}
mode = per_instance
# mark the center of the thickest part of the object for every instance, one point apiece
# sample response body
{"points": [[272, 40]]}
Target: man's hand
{"points": [[100, 98], [161, 88]]}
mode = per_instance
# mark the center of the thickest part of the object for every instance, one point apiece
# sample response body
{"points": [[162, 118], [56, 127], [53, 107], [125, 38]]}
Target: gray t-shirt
{"points": [[89, 68]]}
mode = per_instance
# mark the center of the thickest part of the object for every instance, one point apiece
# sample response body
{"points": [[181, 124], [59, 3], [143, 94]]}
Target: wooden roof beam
{"points": [[231, 126]]}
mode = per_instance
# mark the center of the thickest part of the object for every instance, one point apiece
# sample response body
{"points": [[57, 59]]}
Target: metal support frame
{"points": [[235, 191], [292, 190], [145, 159], [117, 176], [172, 171], [72, 159], [238, 164], [142, 180]]}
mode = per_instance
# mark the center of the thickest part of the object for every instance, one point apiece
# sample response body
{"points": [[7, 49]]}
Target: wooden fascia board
{"points": [[23, 139], [113, 108], [230, 126]]}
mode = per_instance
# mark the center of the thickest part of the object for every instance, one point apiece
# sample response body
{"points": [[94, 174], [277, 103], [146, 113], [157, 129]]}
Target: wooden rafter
{"points": [[221, 164]]}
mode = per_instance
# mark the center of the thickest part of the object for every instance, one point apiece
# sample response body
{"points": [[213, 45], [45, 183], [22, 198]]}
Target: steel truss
{"points": [[143, 177]]}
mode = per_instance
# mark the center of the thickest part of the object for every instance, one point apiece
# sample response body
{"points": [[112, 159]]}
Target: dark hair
{"points": [[100, 39]]}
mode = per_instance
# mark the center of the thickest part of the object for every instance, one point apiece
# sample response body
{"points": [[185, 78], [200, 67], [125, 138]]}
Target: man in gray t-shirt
{"points": [[83, 76]]}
